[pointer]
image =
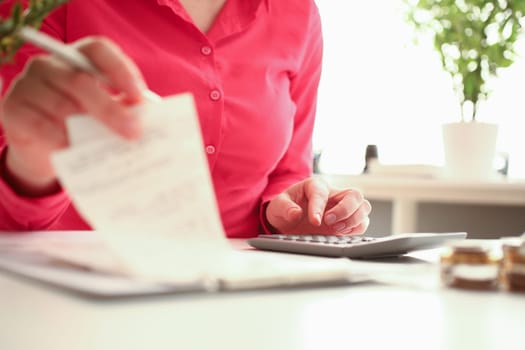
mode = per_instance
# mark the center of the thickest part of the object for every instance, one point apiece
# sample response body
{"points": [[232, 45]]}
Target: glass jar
{"points": [[513, 265], [471, 264]]}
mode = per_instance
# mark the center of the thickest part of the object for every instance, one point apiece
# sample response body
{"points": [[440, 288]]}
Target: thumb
{"points": [[283, 212]]}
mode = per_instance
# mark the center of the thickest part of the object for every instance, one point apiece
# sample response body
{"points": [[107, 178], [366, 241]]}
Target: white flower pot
{"points": [[469, 150]]}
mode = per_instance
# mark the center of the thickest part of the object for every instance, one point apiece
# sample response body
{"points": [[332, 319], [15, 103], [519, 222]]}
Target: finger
{"points": [[283, 212], [345, 204], [356, 219], [85, 92], [117, 67], [360, 215], [28, 126], [32, 135], [50, 102], [317, 194], [361, 228], [99, 104]]}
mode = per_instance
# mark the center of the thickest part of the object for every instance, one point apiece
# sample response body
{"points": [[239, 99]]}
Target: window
{"points": [[379, 88]]}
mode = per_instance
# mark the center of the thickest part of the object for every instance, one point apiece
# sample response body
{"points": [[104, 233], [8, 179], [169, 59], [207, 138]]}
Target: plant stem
{"points": [[32, 15]]}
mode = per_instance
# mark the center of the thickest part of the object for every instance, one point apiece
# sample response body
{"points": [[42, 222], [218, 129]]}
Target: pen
{"points": [[70, 55]]}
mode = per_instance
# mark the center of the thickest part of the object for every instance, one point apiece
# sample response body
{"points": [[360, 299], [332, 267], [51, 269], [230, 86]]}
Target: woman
{"points": [[253, 67]]}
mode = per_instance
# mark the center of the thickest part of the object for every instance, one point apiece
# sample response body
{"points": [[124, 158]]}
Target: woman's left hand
{"points": [[312, 206]]}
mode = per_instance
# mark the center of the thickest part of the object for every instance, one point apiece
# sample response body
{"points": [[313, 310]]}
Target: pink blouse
{"points": [[254, 76]]}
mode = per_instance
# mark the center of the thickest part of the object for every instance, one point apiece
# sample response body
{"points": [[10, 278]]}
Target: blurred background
{"points": [[379, 87]]}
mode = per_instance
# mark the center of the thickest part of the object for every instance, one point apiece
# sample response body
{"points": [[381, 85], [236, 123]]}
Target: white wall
{"points": [[379, 88]]}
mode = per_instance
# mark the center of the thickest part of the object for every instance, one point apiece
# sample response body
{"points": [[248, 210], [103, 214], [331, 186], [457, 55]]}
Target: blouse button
{"points": [[206, 50], [215, 95], [210, 149]]}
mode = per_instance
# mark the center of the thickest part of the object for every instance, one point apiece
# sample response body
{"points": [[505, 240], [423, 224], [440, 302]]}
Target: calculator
{"points": [[353, 246]]}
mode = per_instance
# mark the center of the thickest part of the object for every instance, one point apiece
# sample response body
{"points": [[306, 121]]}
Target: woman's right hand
{"points": [[47, 92]]}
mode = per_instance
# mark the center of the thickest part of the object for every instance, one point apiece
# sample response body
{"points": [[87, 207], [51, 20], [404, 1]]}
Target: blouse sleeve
{"points": [[296, 164], [18, 212]]}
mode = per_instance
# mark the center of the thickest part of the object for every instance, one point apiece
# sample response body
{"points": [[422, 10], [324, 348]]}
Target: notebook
{"points": [[78, 261]]}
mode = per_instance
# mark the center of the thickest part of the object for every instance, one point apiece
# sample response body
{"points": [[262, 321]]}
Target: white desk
{"points": [[367, 316], [405, 193]]}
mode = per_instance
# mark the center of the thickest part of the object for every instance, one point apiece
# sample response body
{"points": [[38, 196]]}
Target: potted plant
{"points": [[474, 39], [32, 16]]}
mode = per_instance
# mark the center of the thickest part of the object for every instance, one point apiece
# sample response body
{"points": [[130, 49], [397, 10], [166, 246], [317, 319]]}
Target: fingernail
{"points": [[318, 218], [330, 219], [339, 227], [131, 127]]}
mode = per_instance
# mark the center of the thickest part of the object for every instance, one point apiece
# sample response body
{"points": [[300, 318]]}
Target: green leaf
{"points": [[484, 32], [37, 10]]}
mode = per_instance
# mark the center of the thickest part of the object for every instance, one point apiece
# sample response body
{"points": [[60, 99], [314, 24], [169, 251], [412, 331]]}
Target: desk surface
{"points": [[404, 316], [381, 187]]}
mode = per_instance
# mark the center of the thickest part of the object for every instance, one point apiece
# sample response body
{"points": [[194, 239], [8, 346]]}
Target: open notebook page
{"points": [[81, 262]]}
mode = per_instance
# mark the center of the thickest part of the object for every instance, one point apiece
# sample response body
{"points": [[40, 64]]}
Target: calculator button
{"points": [[346, 239], [292, 237], [356, 239], [333, 239]]}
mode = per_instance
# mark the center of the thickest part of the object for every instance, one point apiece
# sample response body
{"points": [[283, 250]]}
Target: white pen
{"points": [[70, 55]]}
